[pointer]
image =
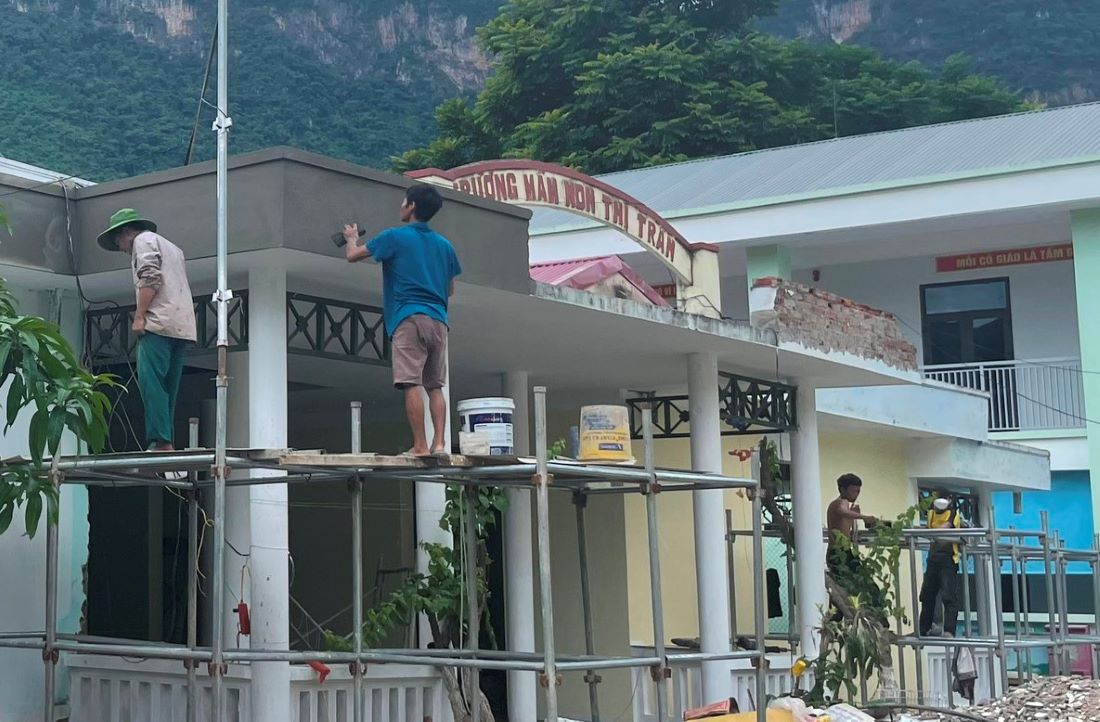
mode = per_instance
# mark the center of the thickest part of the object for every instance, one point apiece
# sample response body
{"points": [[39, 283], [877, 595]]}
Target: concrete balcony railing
{"points": [[1024, 394], [109, 689]]}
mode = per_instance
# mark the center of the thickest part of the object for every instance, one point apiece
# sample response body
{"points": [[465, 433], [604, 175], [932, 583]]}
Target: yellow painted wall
{"points": [[887, 491]]}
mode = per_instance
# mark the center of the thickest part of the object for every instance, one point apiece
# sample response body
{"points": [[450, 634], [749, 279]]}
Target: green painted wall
{"points": [[1086, 269]]}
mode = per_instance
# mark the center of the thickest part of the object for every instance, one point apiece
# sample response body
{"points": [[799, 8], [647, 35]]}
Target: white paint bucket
{"points": [[492, 417]]}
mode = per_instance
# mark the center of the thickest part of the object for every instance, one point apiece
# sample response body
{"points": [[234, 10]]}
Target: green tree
{"points": [[606, 86], [41, 372]]}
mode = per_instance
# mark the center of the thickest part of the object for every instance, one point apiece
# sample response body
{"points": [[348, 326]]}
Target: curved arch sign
{"points": [[533, 183]]}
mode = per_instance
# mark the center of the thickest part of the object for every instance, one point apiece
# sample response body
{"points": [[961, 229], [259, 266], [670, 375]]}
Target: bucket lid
{"points": [[487, 403]]}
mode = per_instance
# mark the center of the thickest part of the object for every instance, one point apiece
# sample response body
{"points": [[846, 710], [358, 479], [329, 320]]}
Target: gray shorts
{"points": [[420, 353]]}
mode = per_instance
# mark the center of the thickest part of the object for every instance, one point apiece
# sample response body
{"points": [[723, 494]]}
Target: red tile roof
{"points": [[586, 272]]}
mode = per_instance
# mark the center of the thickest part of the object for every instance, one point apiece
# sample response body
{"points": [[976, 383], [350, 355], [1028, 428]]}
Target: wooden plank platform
{"points": [[384, 461]]}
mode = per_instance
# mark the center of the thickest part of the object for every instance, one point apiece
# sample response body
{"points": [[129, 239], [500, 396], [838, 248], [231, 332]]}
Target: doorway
{"points": [[966, 328]]}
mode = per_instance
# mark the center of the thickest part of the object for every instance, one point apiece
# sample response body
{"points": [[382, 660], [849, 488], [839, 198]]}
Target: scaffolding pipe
{"points": [[49, 651], [916, 607], [542, 503], [357, 564], [192, 576], [580, 502], [1096, 604], [1063, 600], [897, 620], [660, 670], [1055, 663], [473, 676], [759, 604], [998, 609]]}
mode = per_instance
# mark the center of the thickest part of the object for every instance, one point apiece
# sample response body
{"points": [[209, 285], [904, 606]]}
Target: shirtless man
{"points": [[844, 511], [841, 558]]}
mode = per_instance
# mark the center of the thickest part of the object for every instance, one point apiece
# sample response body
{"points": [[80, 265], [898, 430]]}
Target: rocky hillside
{"points": [[358, 79], [1049, 49]]}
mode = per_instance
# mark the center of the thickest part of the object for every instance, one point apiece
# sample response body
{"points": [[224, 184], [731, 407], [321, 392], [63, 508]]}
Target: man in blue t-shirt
{"points": [[418, 271]]}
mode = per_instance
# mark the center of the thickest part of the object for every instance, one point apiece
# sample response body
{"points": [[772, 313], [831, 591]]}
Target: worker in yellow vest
{"points": [[941, 575]]}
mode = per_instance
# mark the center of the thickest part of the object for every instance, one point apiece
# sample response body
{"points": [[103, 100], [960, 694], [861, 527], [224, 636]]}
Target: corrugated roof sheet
{"points": [[586, 272], [977, 146], [36, 174]]}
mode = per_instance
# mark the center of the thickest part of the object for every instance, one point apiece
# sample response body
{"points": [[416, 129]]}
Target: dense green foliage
{"points": [[91, 100], [42, 374], [613, 84], [1049, 49]]}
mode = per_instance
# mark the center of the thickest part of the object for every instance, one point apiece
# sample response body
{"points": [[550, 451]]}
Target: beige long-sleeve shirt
{"points": [[159, 264]]}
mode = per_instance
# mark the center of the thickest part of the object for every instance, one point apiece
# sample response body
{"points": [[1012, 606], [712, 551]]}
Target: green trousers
{"points": [[159, 369]]}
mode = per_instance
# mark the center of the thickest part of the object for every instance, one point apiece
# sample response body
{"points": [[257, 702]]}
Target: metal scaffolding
{"points": [[544, 476], [988, 557]]}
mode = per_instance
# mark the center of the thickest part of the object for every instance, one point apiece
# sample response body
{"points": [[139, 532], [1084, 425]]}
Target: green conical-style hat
{"points": [[123, 217]]}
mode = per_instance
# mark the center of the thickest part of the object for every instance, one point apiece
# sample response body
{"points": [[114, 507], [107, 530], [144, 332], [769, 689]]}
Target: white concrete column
{"points": [[431, 502], [807, 503], [519, 564], [267, 421], [710, 523]]}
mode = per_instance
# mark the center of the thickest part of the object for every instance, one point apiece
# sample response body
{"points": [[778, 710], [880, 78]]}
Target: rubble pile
{"points": [[1053, 699]]}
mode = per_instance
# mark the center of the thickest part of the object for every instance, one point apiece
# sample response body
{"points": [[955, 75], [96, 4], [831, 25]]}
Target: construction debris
{"points": [[1055, 699]]}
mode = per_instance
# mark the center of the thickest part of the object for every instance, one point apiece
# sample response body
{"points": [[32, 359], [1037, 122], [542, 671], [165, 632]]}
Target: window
{"points": [[968, 322]]}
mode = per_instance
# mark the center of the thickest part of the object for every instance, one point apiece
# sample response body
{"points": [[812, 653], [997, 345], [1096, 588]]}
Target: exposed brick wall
{"points": [[822, 320]]}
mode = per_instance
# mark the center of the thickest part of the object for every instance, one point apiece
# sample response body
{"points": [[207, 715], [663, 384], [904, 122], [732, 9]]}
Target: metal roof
{"points": [[586, 272], [981, 146], [35, 174]]}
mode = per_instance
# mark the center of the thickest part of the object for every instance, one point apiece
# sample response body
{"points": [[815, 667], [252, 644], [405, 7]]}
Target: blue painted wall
{"points": [[1069, 504]]}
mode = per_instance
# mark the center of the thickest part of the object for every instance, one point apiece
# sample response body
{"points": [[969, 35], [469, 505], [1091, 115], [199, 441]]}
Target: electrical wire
{"points": [[202, 97]]}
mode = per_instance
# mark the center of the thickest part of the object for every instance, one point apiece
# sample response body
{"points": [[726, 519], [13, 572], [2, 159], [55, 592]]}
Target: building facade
{"points": [[306, 342]]}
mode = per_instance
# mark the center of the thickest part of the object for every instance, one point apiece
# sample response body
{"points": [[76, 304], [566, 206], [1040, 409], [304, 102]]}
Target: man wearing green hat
{"points": [[164, 321]]}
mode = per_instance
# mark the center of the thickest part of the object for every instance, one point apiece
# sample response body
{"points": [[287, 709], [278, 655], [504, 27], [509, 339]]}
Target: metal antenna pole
{"points": [[542, 504], [192, 577], [222, 123], [357, 563]]}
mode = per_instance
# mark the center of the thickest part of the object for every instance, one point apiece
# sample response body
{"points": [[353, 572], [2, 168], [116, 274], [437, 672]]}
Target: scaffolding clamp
{"points": [[227, 470], [659, 672], [591, 677], [357, 668], [49, 655], [190, 664], [651, 487], [544, 680], [536, 480], [217, 670]]}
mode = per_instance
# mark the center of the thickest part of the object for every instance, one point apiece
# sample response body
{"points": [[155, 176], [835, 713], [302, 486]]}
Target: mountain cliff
{"points": [[349, 78], [1049, 49]]}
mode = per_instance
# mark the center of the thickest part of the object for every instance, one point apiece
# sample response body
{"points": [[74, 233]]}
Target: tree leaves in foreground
{"points": [[606, 86], [41, 373]]}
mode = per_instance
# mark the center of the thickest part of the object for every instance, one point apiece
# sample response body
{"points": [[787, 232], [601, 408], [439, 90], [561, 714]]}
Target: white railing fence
{"points": [[106, 689], [1024, 394], [685, 687]]}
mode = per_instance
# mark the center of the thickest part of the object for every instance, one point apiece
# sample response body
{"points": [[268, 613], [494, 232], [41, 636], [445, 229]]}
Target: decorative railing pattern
{"points": [[746, 406], [319, 327], [1024, 395]]}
